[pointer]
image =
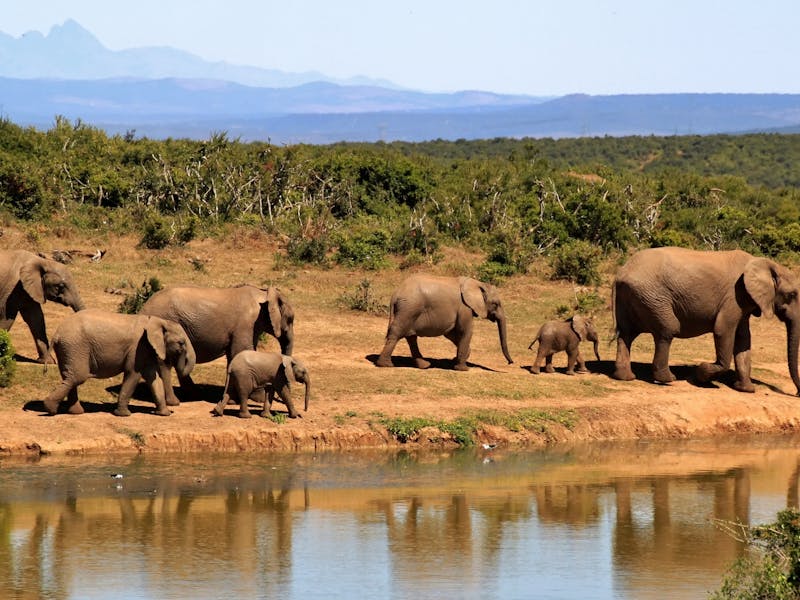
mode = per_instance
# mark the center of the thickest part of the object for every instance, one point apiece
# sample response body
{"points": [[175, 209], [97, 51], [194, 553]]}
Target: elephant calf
{"points": [[558, 336], [96, 343], [253, 375]]}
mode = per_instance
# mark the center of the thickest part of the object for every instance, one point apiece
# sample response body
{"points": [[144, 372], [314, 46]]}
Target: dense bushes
{"points": [[572, 201]]}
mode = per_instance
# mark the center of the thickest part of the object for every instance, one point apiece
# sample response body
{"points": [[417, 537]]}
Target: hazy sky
{"points": [[510, 46]]}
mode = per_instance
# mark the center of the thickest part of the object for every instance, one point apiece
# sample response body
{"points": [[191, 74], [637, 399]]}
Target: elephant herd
{"points": [[666, 292]]}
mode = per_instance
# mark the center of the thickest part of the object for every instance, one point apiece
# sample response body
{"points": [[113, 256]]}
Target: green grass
{"points": [[464, 428]]}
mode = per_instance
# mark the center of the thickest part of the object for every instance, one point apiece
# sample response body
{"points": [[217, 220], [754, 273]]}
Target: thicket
{"points": [[572, 201]]}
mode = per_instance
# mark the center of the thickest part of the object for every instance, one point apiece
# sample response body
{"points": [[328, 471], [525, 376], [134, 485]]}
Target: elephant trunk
{"points": [[596, 353], [501, 330], [792, 341], [186, 362], [308, 392], [77, 303]]}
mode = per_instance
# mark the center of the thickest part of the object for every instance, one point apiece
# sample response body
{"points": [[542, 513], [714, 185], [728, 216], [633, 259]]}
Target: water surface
{"points": [[601, 521]]}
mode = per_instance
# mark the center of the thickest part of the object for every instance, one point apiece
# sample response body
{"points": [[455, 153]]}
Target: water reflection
{"points": [[611, 521]]}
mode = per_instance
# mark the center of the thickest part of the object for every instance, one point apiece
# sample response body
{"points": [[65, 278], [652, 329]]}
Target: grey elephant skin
{"points": [[259, 376], [564, 336], [26, 282], [428, 306], [223, 321], [100, 344], [679, 293]]}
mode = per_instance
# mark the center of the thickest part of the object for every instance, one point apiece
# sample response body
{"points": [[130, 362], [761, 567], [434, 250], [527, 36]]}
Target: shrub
{"points": [[363, 300], [301, 250], [132, 303], [365, 249], [8, 365], [158, 234], [578, 261]]}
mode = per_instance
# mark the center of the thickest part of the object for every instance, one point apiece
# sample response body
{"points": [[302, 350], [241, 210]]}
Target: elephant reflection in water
{"points": [[666, 543], [460, 536], [574, 504]]}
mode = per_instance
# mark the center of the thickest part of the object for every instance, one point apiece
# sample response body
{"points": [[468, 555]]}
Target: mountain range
{"points": [[164, 92]]}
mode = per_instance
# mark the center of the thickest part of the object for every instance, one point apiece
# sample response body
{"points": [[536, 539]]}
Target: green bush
{"points": [[364, 249], [578, 261], [363, 300], [8, 365], [313, 251], [133, 302]]}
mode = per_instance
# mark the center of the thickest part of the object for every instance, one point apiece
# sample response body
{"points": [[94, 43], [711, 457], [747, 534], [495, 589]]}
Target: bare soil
{"points": [[351, 398]]}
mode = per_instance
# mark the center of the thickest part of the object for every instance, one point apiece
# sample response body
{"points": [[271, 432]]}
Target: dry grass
{"points": [[339, 345]]}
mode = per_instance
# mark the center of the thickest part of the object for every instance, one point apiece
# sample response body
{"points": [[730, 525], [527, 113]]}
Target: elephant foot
{"points": [[582, 370], [549, 369], [663, 376], [75, 409], [570, 372], [46, 360], [295, 416], [384, 362], [705, 372], [218, 410], [122, 412], [421, 363], [245, 414], [173, 401], [460, 367], [744, 386], [623, 374], [51, 406], [164, 412], [534, 369]]}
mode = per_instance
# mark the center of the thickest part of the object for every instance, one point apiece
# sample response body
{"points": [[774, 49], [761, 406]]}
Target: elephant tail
{"points": [[614, 333], [536, 339]]}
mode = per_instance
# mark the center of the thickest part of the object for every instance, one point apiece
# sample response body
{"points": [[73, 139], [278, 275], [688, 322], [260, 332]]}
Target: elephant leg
{"points": [[34, 318], [285, 394], [540, 356], [73, 404], [419, 362], [723, 343], [548, 364], [581, 363], [622, 365], [661, 372], [243, 395], [169, 393], [462, 340], [55, 397], [129, 382], [260, 396], [572, 359], [741, 358], [385, 358], [156, 386]]}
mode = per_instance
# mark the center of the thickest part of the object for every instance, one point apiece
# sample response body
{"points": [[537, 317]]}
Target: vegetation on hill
{"points": [[573, 201]]}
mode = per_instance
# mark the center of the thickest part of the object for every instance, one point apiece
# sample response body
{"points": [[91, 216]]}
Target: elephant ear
{"points": [[473, 294], [761, 280], [274, 310], [288, 367], [30, 274], [154, 330], [579, 326]]}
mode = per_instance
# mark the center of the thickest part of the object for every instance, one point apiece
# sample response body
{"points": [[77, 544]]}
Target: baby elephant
{"points": [[96, 343], [556, 336], [253, 375]]}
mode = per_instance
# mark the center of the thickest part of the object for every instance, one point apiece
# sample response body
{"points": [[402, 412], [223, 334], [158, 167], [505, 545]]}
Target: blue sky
{"points": [[509, 46]]}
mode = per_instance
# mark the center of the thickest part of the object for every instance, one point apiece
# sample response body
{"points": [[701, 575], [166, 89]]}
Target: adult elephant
{"points": [[223, 321], [430, 306], [26, 282], [679, 293]]}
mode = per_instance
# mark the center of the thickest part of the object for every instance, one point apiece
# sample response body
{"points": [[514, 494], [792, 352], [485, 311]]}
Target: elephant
{"points": [[101, 344], [428, 306], [557, 336], [258, 376], [26, 282], [680, 293], [223, 321]]}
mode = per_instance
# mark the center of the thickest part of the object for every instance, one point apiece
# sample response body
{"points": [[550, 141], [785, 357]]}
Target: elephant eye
{"points": [[791, 296]]}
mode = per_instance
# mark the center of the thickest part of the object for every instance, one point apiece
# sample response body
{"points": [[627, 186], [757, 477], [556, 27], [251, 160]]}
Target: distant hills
{"points": [[163, 92]]}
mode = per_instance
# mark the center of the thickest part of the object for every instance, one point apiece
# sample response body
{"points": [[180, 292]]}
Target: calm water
{"points": [[610, 521]]}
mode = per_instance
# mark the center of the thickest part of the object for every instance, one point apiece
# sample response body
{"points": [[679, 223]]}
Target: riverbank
{"points": [[357, 405]]}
